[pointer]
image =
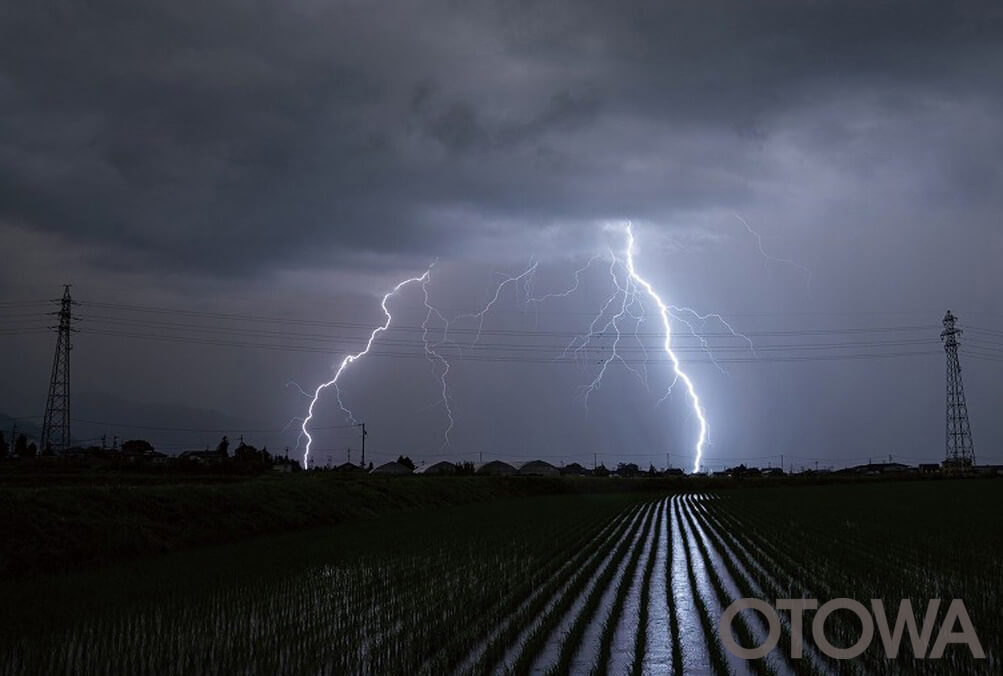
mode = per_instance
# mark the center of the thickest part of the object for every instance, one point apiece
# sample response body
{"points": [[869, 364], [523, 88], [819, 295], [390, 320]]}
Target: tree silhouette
{"points": [[406, 461], [628, 469], [136, 446]]}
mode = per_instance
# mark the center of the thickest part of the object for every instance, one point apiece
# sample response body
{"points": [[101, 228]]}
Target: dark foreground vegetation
{"points": [[890, 541], [58, 518], [64, 522], [553, 584], [327, 599]]}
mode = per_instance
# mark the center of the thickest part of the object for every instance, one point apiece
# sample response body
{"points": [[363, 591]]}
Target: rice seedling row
{"points": [[753, 582], [619, 584], [724, 596], [570, 640], [612, 619], [521, 656]]}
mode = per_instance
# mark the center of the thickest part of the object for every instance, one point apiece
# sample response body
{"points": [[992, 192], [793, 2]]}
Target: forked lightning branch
{"points": [[633, 290]]}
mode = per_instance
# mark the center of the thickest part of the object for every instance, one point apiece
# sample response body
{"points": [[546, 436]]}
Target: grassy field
{"points": [[560, 584], [65, 524]]}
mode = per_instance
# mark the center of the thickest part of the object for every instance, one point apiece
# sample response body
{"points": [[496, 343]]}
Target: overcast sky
{"points": [[825, 175]]}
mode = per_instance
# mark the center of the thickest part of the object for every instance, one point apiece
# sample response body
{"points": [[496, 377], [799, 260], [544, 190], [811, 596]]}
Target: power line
{"points": [[26, 303], [333, 344], [528, 334], [468, 356], [236, 317], [201, 430], [791, 351]]}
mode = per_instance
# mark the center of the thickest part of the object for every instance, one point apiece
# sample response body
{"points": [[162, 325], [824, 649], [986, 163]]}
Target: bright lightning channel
{"points": [[624, 297], [434, 356], [333, 382], [679, 374]]}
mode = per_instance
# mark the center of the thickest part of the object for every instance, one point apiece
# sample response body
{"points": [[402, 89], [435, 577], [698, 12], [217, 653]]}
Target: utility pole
{"points": [[667, 465], [960, 451], [781, 463], [363, 426], [56, 423]]}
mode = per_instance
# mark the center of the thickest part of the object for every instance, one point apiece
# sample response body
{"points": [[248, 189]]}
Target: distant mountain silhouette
{"points": [[162, 424], [171, 428]]}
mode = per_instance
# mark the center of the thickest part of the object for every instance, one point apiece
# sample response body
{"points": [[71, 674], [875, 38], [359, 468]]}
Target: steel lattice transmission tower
{"points": [[56, 425], [960, 451]]}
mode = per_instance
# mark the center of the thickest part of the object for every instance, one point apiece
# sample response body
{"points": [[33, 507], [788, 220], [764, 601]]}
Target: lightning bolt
{"points": [[480, 314], [611, 324], [675, 311], [622, 301], [434, 356], [774, 259], [296, 419], [567, 292], [629, 298], [333, 382], [678, 373], [626, 303], [594, 333], [432, 351], [293, 383], [525, 277], [639, 319]]}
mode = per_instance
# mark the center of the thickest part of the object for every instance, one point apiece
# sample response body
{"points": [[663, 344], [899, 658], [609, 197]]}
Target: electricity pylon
{"points": [[960, 450], [56, 425]]}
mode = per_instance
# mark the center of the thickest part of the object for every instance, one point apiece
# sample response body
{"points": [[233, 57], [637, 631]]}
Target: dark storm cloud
{"points": [[169, 133]]}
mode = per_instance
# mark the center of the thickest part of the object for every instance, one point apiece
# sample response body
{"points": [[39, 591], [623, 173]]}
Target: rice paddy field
{"points": [[569, 584]]}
